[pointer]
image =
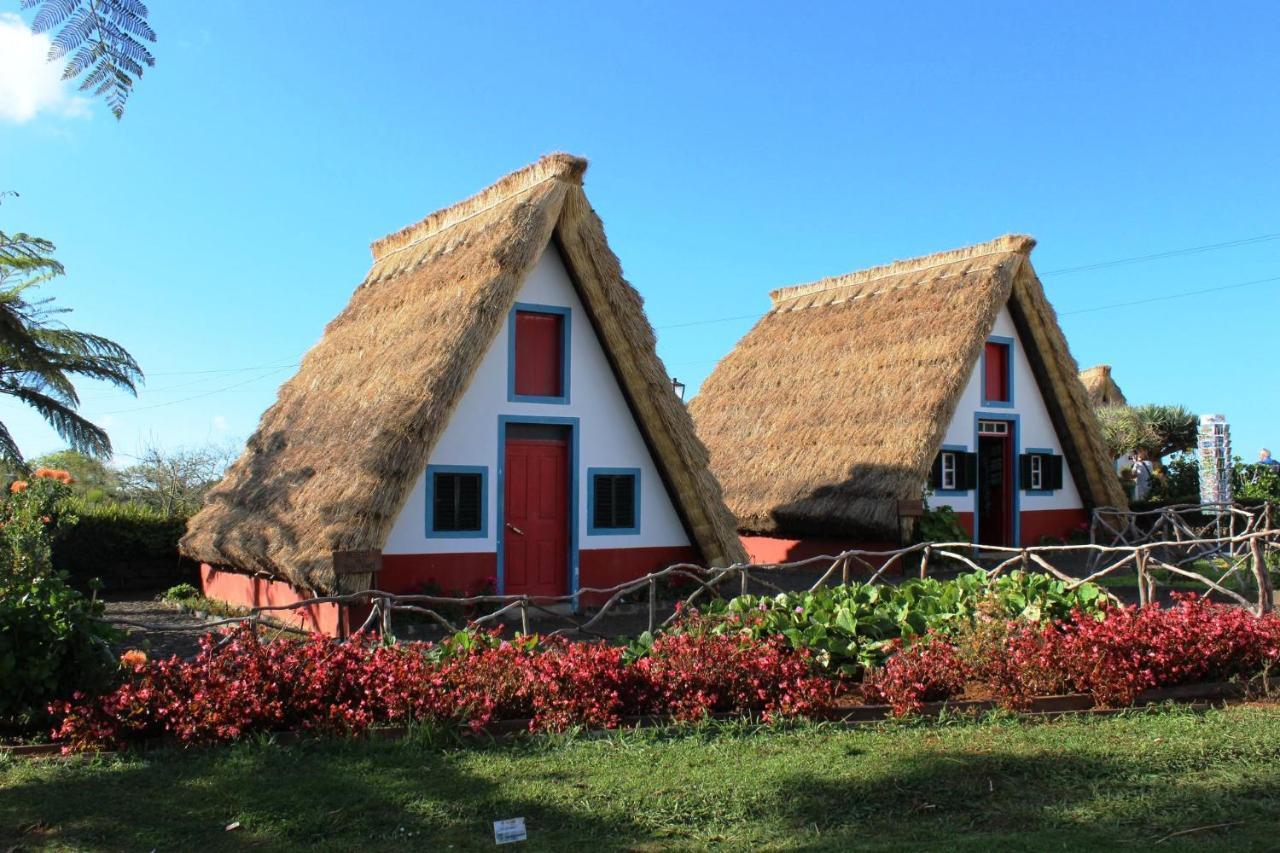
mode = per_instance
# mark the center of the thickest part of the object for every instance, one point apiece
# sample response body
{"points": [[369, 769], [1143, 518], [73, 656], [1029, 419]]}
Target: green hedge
{"points": [[127, 546]]}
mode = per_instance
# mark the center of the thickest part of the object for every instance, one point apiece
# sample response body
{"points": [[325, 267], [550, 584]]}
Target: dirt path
{"points": [[143, 608]]}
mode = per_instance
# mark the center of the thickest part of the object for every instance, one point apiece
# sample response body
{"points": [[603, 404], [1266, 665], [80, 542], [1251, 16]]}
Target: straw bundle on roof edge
{"points": [[333, 460], [833, 407], [1101, 387]]}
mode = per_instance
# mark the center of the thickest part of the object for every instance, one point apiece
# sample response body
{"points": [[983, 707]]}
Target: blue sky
{"points": [[734, 148]]}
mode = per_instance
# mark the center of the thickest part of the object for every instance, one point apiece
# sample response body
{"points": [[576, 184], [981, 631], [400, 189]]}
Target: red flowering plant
{"points": [[1195, 640], [929, 670], [239, 684]]}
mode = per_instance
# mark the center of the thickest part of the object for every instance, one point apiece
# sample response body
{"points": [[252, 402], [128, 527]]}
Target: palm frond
{"points": [[76, 431], [105, 40], [9, 449]]}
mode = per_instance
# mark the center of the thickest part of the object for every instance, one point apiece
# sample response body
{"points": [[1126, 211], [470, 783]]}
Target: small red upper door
{"points": [[539, 354], [535, 532], [996, 382]]}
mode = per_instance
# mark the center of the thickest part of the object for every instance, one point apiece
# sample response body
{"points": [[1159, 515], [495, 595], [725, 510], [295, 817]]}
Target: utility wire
{"points": [[1173, 296], [1172, 253], [195, 396]]}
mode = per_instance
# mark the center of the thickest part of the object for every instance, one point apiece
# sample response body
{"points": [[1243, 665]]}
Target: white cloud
{"points": [[220, 423], [29, 83]]}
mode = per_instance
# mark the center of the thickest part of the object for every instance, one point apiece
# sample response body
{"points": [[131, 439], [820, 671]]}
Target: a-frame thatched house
{"points": [[490, 404], [830, 417], [1101, 387]]}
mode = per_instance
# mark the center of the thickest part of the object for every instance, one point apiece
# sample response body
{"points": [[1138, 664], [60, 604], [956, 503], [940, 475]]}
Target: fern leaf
{"points": [[105, 39]]}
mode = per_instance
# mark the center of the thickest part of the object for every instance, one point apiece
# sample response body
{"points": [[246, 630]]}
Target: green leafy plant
{"points": [[940, 524], [851, 627], [180, 593], [51, 642]]}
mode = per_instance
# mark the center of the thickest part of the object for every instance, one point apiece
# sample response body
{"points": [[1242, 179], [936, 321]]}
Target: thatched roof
{"points": [[1101, 387], [834, 406], [333, 460]]}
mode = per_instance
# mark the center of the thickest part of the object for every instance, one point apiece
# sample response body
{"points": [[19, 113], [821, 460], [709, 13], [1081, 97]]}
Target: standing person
{"points": [[1265, 458], [1142, 471]]}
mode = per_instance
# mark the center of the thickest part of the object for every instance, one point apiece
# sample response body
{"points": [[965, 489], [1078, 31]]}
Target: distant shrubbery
{"points": [[126, 545]]}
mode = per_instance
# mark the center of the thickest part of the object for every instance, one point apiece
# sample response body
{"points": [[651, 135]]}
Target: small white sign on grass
{"points": [[509, 831]]}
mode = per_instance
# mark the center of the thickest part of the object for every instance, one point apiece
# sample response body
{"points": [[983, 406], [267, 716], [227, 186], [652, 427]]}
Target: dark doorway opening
{"points": [[995, 484]]}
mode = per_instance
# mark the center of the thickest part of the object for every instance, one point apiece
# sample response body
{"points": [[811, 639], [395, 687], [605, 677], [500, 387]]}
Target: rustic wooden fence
{"points": [[1240, 575]]}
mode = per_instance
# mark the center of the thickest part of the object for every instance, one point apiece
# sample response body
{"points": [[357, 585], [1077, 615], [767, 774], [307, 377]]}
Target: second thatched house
{"points": [[831, 416], [1101, 387], [489, 409]]}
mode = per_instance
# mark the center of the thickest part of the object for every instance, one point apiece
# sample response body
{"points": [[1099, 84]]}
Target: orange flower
{"points": [[44, 519], [134, 659], [18, 486], [54, 474]]}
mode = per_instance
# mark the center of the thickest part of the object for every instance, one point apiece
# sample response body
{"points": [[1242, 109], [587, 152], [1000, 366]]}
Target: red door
{"points": [[995, 489], [535, 534]]}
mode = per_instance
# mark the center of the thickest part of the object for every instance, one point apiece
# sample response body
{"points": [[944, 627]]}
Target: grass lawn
{"points": [[1089, 783]]}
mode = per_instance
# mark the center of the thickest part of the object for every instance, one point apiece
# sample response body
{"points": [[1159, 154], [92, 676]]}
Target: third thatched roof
{"points": [[833, 407], [1101, 386]]}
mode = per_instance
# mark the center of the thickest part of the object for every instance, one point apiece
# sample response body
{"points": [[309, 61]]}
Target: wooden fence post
{"points": [[524, 616], [924, 561], [1266, 595], [1140, 558], [653, 604], [746, 580], [384, 607]]}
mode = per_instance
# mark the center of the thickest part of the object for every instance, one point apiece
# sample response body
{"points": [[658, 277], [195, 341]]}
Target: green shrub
{"points": [[850, 627], [51, 642], [180, 593], [126, 545], [940, 524], [51, 645]]}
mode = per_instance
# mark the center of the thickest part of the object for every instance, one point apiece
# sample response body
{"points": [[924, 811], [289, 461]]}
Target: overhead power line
{"points": [[195, 396], [1172, 253]]}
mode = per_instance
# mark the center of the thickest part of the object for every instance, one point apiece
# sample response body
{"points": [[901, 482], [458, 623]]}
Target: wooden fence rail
{"points": [[1242, 556]]}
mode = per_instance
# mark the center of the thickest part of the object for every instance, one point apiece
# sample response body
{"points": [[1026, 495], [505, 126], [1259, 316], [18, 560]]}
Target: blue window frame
{"points": [[1008, 343], [467, 517], [618, 490], [566, 339], [957, 452]]}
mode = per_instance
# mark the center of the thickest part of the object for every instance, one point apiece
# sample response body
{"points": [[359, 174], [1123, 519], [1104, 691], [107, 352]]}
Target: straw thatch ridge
{"points": [[1101, 386], [833, 407], [333, 460]]}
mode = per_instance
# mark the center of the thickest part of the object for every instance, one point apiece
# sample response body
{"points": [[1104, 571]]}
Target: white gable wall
{"points": [[608, 438], [1034, 427]]}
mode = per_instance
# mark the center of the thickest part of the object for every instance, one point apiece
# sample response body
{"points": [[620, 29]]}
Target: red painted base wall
{"points": [[606, 567], [1057, 523], [248, 591], [450, 573], [771, 549]]}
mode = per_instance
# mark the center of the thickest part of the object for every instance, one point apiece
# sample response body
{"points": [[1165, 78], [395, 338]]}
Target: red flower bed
{"points": [[245, 685], [1114, 658]]}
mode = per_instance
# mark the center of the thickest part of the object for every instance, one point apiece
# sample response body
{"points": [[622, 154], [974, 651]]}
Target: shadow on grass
{"points": [[999, 800], [324, 795], [979, 788]]}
